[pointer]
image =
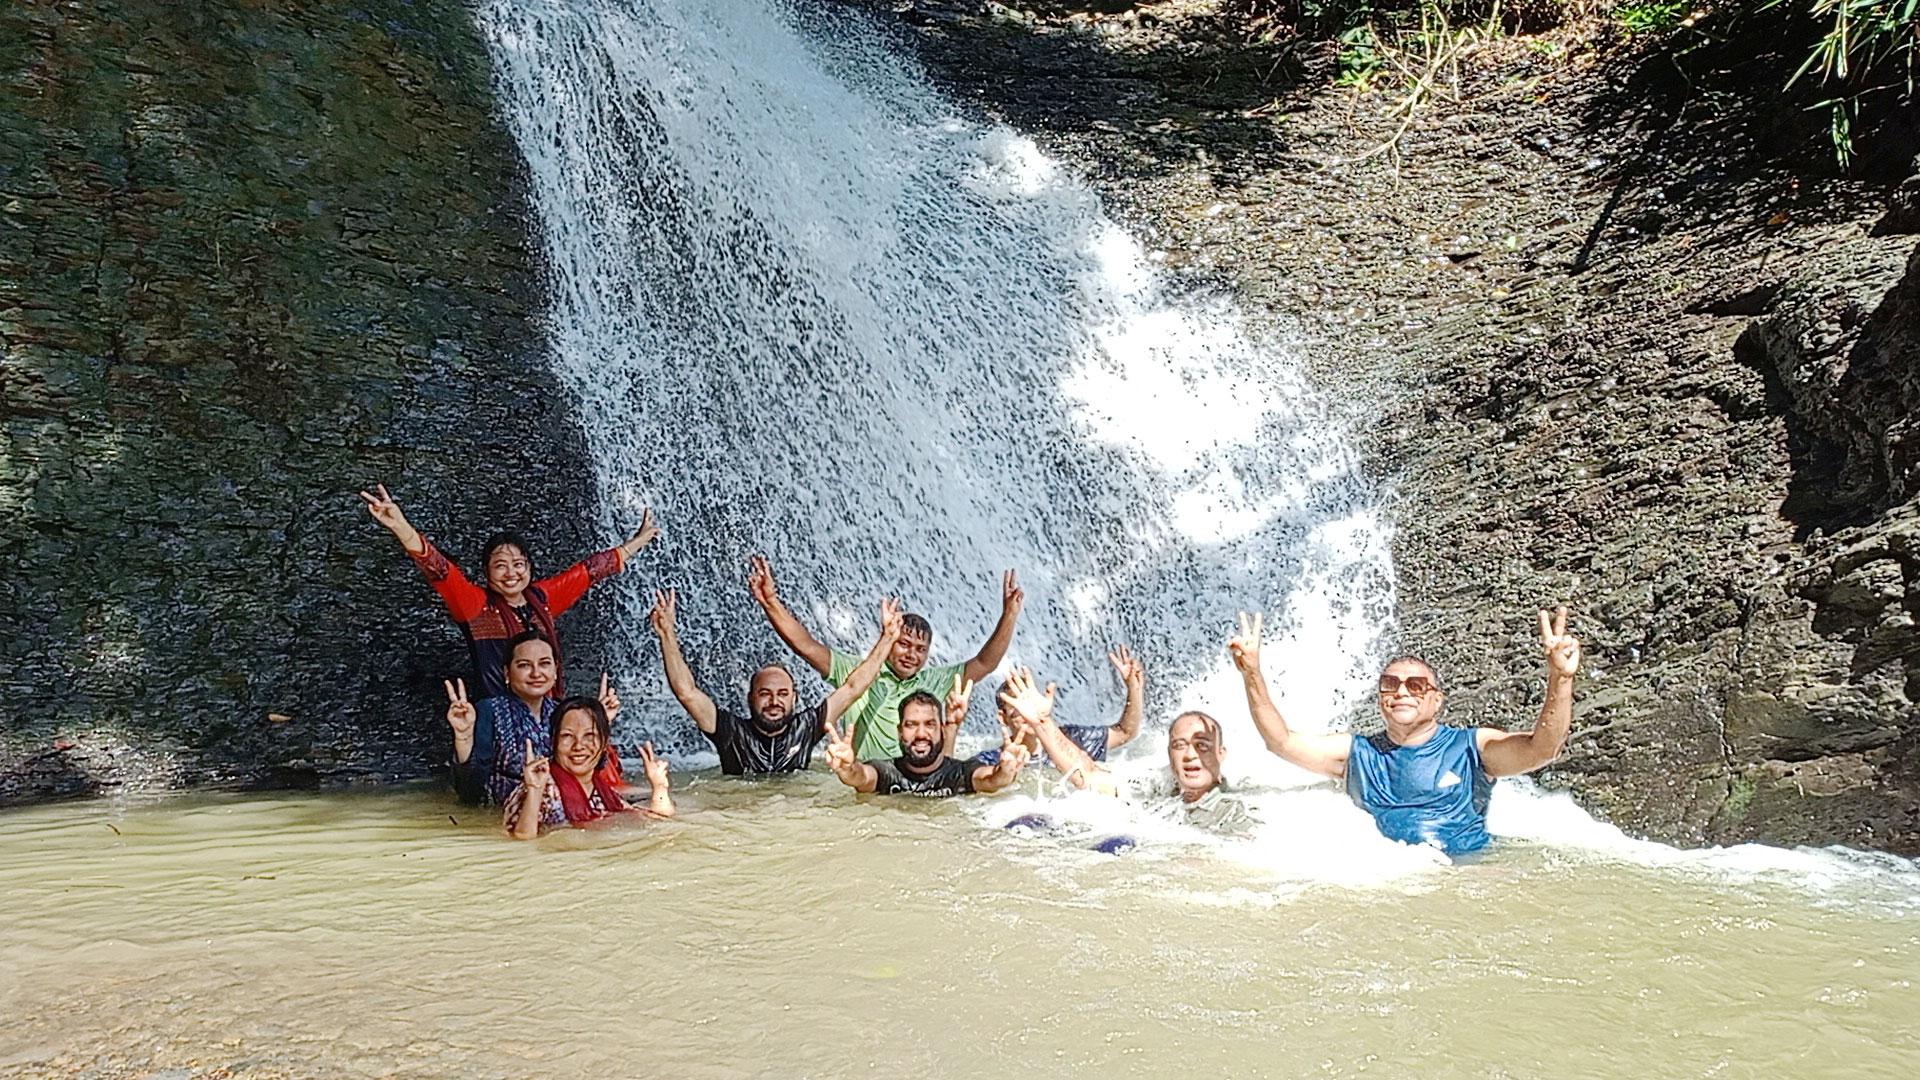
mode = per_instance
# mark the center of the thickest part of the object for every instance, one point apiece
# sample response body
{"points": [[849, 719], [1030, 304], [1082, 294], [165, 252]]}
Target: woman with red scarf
{"points": [[585, 787], [512, 602]]}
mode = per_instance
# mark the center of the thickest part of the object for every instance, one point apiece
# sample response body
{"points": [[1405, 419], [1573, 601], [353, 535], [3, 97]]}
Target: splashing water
{"points": [[809, 308]]}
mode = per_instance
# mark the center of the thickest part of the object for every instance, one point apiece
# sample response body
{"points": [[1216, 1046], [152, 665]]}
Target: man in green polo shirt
{"points": [[873, 717]]}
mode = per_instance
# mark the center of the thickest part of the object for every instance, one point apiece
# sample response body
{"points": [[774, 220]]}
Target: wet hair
{"points": [[504, 538], [1412, 658], [917, 625], [920, 697], [1206, 720], [600, 723], [521, 638]]}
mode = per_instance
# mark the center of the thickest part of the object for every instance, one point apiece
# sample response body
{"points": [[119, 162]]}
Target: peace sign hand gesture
{"points": [[1562, 648], [1011, 594], [1014, 754], [460, 711], [666, 610], [760, 581], [537, 773], [384, 508], [891, 621], [1132, 672], [1245, 646], [656, 767], [840, 752], [957, 700]]}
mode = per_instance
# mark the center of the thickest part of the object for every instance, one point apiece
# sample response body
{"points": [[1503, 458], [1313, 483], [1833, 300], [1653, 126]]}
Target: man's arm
{"points": [[995, 650], [1511, 753], [1036, 709], [862, 677], [1134, 675], [851, 771], [1323, 754], [679, 676], [790, 629]]}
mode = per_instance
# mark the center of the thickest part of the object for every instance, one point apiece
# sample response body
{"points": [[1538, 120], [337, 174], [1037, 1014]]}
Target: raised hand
{"points": [[656, 767], [891, 624], [957, 699], [460, 711], [609, 700], [666, 607], [385, 510], [1132, 672], [1011, 595], [1245, 647], [760, 581], [1025, 698], [1562, 648], [642, 536], [840, 750], [1014, 754], [536, 774]]}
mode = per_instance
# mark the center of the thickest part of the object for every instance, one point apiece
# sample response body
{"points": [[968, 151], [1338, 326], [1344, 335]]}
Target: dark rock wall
{"points": [[254, 256], [1611, 334]]}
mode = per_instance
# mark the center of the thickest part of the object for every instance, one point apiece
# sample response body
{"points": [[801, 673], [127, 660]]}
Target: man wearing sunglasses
{"points": [[1423, 782]]}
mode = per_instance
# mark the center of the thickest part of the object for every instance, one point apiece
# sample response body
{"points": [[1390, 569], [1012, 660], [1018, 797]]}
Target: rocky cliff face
{"points": [[1614, 338], [252, 258]]}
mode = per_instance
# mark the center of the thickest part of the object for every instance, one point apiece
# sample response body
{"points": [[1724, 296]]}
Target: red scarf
{"points": [[573, 799]]}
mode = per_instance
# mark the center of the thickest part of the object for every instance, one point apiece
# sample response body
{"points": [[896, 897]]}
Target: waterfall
{"points": [[810, 307]]}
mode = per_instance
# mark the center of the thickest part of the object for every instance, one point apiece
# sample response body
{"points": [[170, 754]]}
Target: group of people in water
{"points": [[891, 722]]}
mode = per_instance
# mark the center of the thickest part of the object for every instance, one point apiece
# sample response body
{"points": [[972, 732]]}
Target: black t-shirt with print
{"points": [[744, 748], [950, 778]]}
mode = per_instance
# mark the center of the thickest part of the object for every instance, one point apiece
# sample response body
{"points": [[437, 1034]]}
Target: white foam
{"points": [[808, 306]]}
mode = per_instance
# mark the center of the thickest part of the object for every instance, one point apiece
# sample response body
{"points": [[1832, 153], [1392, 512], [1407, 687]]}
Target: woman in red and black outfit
{"points": [[512, 601]]}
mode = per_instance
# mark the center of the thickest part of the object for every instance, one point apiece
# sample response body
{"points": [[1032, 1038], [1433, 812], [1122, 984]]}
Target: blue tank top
{"points": [[1434, 793]]}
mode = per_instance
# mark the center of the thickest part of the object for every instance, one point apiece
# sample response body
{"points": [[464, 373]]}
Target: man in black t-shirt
{"points": [[772, 737], [923, 767]]}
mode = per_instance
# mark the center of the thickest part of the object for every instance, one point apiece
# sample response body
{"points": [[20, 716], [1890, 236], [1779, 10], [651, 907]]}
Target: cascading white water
{"points": [[811, 309]]}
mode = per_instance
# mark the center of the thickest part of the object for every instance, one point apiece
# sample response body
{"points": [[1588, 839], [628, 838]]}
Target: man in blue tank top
{"points": [[1423, 782]]}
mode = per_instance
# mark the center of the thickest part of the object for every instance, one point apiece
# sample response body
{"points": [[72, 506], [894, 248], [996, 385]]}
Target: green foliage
{"points": [[1868, 48], [1651, 16], [1361, 57]]}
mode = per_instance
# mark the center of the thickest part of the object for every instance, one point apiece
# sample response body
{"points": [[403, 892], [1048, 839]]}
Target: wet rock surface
{"points": [[253, 258], [1614, 339]]}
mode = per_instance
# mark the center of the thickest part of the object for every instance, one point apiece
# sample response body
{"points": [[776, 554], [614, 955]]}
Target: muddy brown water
{"points": [[785, 929]]}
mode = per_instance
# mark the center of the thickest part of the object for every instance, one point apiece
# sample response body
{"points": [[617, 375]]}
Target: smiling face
{"points": [[531, 670], [920, 733], [1194, 751], [578, 746], [770, 697], [509, 572], [909, 652], [1410, 696]]}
